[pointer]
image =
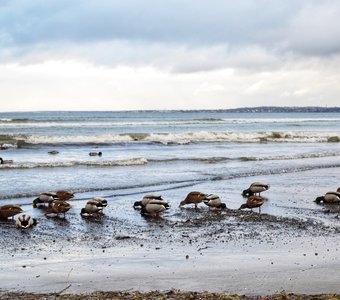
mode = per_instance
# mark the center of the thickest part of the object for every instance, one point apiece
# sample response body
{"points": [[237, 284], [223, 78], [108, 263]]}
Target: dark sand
{"points": [[233, 252]]}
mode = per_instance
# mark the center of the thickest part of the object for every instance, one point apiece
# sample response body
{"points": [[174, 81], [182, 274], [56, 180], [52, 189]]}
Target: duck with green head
{"points": [[255, 188], [329, 197]]}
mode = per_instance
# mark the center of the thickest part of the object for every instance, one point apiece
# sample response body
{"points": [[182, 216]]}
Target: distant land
{"points": [[285, 109]]}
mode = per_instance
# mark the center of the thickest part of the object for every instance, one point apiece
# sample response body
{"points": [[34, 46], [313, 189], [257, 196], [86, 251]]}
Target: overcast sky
{"points": [[152, 54]]}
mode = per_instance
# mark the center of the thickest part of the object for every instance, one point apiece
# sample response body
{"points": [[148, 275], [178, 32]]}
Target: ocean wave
{"points": [[24, 122], [174, 138], [127, 162]]}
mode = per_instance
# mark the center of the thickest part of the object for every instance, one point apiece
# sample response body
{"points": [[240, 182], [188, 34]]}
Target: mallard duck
{"points": [[214, 201], [5, 161], [329, 197], [101, 202], [255, 188], [92, 208], [154, 208], [25, 221], [253, 202], [96, 153], [9, 211], [45, 198], [193, 198], [58, 207], [146, 199], [64, 195]]}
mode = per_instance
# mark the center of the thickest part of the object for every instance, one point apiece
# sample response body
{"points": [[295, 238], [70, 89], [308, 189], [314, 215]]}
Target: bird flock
{"points": [[55, 204]]}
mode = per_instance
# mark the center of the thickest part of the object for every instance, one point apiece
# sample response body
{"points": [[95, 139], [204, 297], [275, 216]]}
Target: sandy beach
{"points": [[229, 252]]}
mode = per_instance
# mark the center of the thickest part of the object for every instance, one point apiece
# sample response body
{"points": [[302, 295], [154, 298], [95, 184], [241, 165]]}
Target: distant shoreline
{"points": [[257, 109]]}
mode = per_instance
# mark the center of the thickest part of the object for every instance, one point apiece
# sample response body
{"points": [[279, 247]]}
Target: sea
{"points": [[172, 153]]}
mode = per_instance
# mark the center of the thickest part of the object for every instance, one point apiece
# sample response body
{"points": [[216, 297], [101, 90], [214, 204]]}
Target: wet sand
{"points": [[232, 252]]}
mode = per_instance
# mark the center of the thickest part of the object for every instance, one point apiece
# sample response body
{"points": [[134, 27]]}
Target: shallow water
{"points": [[146, 151]]}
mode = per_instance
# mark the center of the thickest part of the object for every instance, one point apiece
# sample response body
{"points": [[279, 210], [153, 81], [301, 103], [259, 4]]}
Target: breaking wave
{"points": [[174, 138], [127, 162]]}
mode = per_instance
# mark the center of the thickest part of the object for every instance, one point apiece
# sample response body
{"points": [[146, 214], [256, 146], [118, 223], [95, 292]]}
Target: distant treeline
{"points": [[287, 109]]}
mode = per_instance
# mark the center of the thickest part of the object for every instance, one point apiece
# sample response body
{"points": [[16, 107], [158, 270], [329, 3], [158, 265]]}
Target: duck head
{"points": [[247, 193], [223, 206], [243, 206], [319, 199], [137, 204]]}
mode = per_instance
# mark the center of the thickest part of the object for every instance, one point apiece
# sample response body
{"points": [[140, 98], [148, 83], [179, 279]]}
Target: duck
{"points": [[9, 211], [64, 195], [25, 221], [58, 207], [154, 208], [329, 197], [5, 161], [253, 202], [92, 208], [255, 188], [96, 153], [43, 199], [101, 202], [214, 201], [146, 199], [338, 190], [193, 198]]}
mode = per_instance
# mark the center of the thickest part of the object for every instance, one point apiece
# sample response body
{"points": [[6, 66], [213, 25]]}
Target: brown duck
{"points": [[9, 211], [193, 198], [58, 207], [253, 202]]}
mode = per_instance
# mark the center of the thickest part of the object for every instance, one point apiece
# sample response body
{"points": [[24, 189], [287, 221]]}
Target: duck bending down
{"points": [[44, 199], [147, 198], [329, 197], [64, 195], [154, 208], [25, 221], [58, 207], [214, 201], [9, 211], [5, 161], [255, 188], [253, 202], [94, 207], [193, 198]]}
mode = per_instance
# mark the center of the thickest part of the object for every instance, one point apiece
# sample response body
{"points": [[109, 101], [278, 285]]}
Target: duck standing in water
{"points": [[25, 221], [154, 208], [329, 197], [147, 198], [58, 207], [9, 211], [214, 201], [94, 207], [255, 188], [64, 195], [193, 198], [253, 202], [44, 200]]}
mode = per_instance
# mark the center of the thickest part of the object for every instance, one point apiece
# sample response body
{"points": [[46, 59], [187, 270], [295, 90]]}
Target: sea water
{"points": [[168, 152]]}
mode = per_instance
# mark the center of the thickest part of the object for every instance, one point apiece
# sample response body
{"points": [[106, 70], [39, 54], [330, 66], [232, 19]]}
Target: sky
{"points": [[169, 54]]}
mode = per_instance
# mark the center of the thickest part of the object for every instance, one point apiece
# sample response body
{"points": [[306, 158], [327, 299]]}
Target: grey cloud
{"points": [[180, 36]]}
